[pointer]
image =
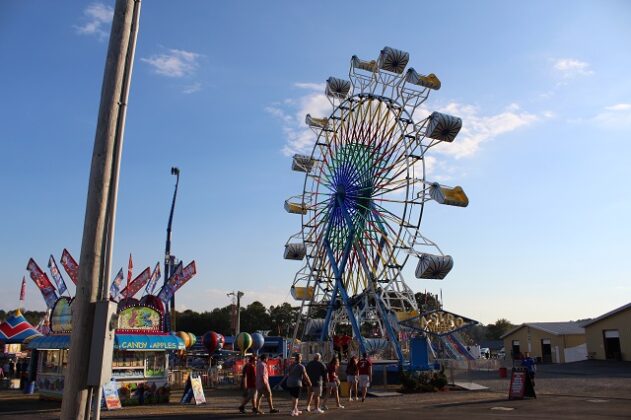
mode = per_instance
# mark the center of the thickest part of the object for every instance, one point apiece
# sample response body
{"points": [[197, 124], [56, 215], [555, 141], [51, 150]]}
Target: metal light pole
{"points": [[168, 262], [237, 327]]}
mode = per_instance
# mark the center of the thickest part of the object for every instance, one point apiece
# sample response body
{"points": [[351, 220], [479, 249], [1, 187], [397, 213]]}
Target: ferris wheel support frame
{"points": [[339, 273]]}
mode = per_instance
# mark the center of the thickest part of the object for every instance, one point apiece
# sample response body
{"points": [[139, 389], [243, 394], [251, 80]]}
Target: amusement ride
{"points": [[362, 204]]}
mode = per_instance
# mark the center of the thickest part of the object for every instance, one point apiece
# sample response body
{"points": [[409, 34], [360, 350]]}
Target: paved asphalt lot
{"points": [[583, 390]]}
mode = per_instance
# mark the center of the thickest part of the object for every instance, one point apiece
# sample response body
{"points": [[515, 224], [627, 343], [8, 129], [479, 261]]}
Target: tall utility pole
{"points": [[100, 215], [168, 261], [237, 325]]}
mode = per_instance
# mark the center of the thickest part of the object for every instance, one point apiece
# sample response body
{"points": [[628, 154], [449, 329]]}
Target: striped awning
{"points": [[16, 329]]}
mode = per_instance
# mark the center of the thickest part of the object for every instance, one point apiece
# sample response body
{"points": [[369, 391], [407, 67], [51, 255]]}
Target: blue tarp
{"points": [[121, 342]]}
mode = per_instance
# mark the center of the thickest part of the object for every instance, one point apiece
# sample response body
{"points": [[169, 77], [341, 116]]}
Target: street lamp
{"points": [[237, 327], [168, 261]]}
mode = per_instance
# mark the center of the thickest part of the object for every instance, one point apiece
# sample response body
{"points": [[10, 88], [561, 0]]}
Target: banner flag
{"points": [[137, 283], [115, 288], [70, 265], [177, 280], [130, 265], [23, 289], [43, 283], [54, 271], [155, 276], [166, 292]]}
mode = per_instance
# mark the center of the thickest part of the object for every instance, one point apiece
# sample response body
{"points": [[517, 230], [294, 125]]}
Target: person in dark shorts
{"points": [[248, 385], [296, 377], [317, 375], [352, 377]]}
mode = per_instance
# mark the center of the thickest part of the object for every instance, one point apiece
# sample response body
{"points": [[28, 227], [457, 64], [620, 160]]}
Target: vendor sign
{"points": [[442, 322]]}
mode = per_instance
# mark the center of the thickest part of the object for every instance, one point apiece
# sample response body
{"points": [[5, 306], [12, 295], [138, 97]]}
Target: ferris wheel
{"points": [[362, 203]]}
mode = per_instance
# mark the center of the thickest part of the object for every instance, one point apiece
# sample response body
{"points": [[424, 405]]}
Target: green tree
{"points": [[255, 318], [282, 319], [498, 329]]}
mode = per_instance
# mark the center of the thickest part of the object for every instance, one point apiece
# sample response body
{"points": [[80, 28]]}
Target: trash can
{"points": [[503, 372], [30, 388]]}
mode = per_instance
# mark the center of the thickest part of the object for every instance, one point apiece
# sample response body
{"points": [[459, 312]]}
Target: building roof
{"points": [[608, 314], [554, 328]]}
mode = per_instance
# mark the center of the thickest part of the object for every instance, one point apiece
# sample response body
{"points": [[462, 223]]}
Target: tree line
{"points": [[280, 320]]}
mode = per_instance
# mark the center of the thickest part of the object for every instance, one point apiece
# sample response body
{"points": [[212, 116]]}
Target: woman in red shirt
{"points": [[333, 383]]}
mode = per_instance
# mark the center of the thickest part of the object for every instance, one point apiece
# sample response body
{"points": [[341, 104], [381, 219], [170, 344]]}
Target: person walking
{"points": [[12, 368], [248, 385], [317, 372], [296, 377], [531, 367], [352, 378], [364, 368], [333, 383], [262, 385]]}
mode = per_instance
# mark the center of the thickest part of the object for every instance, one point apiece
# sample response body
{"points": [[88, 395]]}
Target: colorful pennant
{"points": [[43, 283], [70, 265]]}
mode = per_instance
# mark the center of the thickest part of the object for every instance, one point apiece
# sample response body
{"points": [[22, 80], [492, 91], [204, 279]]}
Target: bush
{"points": [[422, 381]]}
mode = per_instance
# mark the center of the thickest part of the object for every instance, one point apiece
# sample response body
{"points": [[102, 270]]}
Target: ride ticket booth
{"points": [[140, 362]]}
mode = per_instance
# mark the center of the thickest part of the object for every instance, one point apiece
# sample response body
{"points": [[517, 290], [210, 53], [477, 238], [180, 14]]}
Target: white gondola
{"points": [[435, 267], [295, 251], [430, 81], [337, 88], [302, 293], [302, 163], [366, 65], [295, 208], [443, 127], [316, 122], [393, 60], [450, 196]]}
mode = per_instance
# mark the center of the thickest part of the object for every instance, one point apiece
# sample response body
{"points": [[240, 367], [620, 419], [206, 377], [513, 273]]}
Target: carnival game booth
{"points": [[140, 363]]}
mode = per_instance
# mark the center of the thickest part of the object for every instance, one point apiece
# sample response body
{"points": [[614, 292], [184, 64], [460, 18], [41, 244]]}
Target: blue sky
{"points": [[220, 90]]}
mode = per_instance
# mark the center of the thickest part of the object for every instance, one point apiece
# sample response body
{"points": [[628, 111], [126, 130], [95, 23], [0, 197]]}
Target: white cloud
{"points": [[571, 67], [195, 87], [299, 138], [619, 107], [174, 63], [614, 116], [478, 129], [97, 18]]}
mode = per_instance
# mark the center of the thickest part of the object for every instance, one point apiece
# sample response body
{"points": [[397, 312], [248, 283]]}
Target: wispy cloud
{"points": [[291, 113], [195, 87], [614, 117], [174, 63], [571, 67], [97, 18], [477, 129]]}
